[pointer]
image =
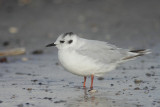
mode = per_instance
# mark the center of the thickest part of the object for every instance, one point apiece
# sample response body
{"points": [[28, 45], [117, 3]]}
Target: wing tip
{"points": [[139, 52]]}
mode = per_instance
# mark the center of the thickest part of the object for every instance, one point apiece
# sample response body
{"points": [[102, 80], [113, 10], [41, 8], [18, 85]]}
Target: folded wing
{"points": [[103, 52]]}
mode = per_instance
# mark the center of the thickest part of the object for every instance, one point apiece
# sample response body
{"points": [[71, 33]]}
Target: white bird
{"points": [[85, 57]]}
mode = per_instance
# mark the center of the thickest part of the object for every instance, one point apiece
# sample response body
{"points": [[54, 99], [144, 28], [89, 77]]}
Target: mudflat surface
{"points": [[37, 79]]}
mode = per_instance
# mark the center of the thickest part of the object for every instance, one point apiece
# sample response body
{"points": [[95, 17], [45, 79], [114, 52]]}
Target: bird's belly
{"points": [[77, 64]]}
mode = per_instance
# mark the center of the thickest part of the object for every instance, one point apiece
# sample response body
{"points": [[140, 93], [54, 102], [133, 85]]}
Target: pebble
{"points": [[137, 88], [20, 105], [13, 30], [118, 93], [146, 91], [36, 52], [29, 89], [3, 60], [57, 63], [100, 78], [24, 59], [40, 83], [6, 43], [27, 103], [137, 81], [47, 98], [71, 82], [34, 80], [112, 84], [152, 67], [60, 101], [92, 91], [148, 75], [145, 88], [113, 101]]}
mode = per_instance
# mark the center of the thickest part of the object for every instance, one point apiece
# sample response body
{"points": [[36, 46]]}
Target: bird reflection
{"points": [[88, 95], [89, 99]]}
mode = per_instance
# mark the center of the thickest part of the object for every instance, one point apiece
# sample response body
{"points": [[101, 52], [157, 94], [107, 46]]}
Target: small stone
{"points": [[124, 68], [145, 88], [100, 78], [47, 98], [57, 63], [62, 80], [34, 80], [71, 82], [153, 73], [40, 83], [24, 59], [92, 91], [60, 101], [29, 89], [113, 101], [13, 96], [3, 60], [1, 101], [137, 88], [153, 88], [36, 52], [29, 74], [125, 89], [27, 103], [153, 103], [146, 91], [20, 105], [148, 75], [139, 105], [112, 84], [117, 94], [152, 67], [125, 76], [137, 81], [13, 30], [6, 43], [14, 84]]}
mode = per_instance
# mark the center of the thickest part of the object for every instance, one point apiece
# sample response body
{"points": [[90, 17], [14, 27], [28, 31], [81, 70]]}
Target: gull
{"points": [[86, 58]]}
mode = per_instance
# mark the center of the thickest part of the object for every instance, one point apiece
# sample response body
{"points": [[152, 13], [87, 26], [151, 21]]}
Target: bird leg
{"points": [[84, 83], [92, 78]]}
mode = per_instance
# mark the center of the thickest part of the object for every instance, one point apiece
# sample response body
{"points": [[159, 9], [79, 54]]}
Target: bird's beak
{"points": [[49, 45]]}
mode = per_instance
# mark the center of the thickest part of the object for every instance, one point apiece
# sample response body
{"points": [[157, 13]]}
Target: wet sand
{"points": [[41, 81]]}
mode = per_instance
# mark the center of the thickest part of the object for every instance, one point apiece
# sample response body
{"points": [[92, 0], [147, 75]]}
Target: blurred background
{"points": [[34, 23]]}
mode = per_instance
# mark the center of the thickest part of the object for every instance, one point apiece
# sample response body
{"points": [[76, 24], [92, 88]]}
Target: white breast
{"points": [[82, 65], [76, 63]]}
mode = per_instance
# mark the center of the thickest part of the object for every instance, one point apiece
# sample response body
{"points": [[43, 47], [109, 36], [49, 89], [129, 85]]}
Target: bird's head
{"points": [[66, 40]]}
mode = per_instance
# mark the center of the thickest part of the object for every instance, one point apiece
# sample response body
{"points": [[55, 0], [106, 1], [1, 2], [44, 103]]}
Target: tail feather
{"points": [[137, 53], [141, 51]]}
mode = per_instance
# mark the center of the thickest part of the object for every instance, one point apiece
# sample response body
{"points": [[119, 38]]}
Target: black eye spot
{"points": [[61, 41], [70, 41]]}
